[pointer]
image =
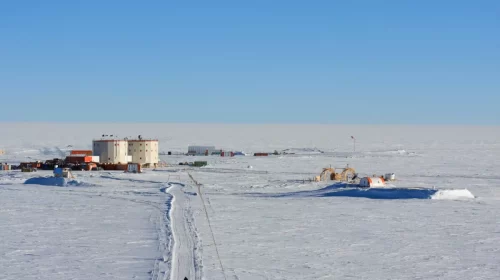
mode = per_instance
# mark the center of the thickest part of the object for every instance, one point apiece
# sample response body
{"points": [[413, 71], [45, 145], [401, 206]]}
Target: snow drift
{"points": [[403, 193], [347, 190], [453, 194], [56, 181]]}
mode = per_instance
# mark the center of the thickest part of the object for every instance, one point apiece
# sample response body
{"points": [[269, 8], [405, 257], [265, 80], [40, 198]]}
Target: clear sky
{"points": [[255, 61]]}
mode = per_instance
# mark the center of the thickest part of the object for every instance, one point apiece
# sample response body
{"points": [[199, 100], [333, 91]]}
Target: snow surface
{"points": [[439, 220]]}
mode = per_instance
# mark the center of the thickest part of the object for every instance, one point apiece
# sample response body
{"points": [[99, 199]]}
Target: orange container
{"points": [[81, 152], [78, 159]]}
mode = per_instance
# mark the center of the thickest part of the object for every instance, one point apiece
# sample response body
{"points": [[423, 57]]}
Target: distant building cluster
{"points": [[210, 151]]}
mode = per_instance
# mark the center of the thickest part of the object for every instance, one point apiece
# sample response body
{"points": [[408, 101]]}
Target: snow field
{"points": [[352, 238], [269, 222], [51, 233]]}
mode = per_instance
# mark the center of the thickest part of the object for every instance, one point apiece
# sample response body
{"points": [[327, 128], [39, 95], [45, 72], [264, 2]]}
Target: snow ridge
{"points": [[162, 266]]}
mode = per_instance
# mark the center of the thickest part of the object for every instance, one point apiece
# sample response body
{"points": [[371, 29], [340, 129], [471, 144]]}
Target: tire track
{"points": [[186, 260]]}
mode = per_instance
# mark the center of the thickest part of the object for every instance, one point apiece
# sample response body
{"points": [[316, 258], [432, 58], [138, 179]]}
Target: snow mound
{"points": [[453, 194], [56, 181]]}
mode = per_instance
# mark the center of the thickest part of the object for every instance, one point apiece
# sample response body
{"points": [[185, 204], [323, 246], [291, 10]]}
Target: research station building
{"points": [[144, 152], [111, 151]]}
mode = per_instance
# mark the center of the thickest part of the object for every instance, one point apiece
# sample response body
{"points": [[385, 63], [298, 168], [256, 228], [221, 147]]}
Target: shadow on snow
{"points": [[57, 181], [347, 190]]}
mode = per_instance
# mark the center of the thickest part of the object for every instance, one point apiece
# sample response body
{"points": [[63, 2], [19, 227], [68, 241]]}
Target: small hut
{"points": [[63, 173], [371, 182]]}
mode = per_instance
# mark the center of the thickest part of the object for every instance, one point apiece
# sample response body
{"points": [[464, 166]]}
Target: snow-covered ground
{"points": [[268, 221]]}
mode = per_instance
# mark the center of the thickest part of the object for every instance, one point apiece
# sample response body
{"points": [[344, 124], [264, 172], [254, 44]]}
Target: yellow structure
{"points": [[327, 174], [330, 174]]}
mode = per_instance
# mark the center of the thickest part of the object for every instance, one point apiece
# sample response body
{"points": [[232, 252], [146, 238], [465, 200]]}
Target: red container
{"points": [[261, 154], [81, 152], [227, 154], [78, 159], [122, 167]]}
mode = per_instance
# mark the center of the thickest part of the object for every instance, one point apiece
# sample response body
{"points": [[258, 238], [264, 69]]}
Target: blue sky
{"points": [[342, 62]]}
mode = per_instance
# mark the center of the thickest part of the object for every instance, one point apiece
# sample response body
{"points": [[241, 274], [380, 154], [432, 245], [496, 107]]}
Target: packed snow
{"points": [[438, 220]]}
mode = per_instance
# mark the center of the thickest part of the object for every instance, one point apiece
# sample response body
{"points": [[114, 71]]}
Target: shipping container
{"points": [[112, 166], [121, 167], [78, 159], [81, 152], [226, 154], [261, 154], [36, 164], [134, 168]]}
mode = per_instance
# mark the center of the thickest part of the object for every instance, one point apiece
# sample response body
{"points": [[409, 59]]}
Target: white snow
{"points": [[186, 261], [453, 194], [54, 233], [439, 220]]}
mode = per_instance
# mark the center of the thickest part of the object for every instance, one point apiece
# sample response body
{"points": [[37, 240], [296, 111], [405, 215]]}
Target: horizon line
{"points": [[247, 123]]}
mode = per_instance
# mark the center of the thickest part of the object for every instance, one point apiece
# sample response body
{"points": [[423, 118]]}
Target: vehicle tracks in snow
{"points": [[179, 243], [186, 248]]}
